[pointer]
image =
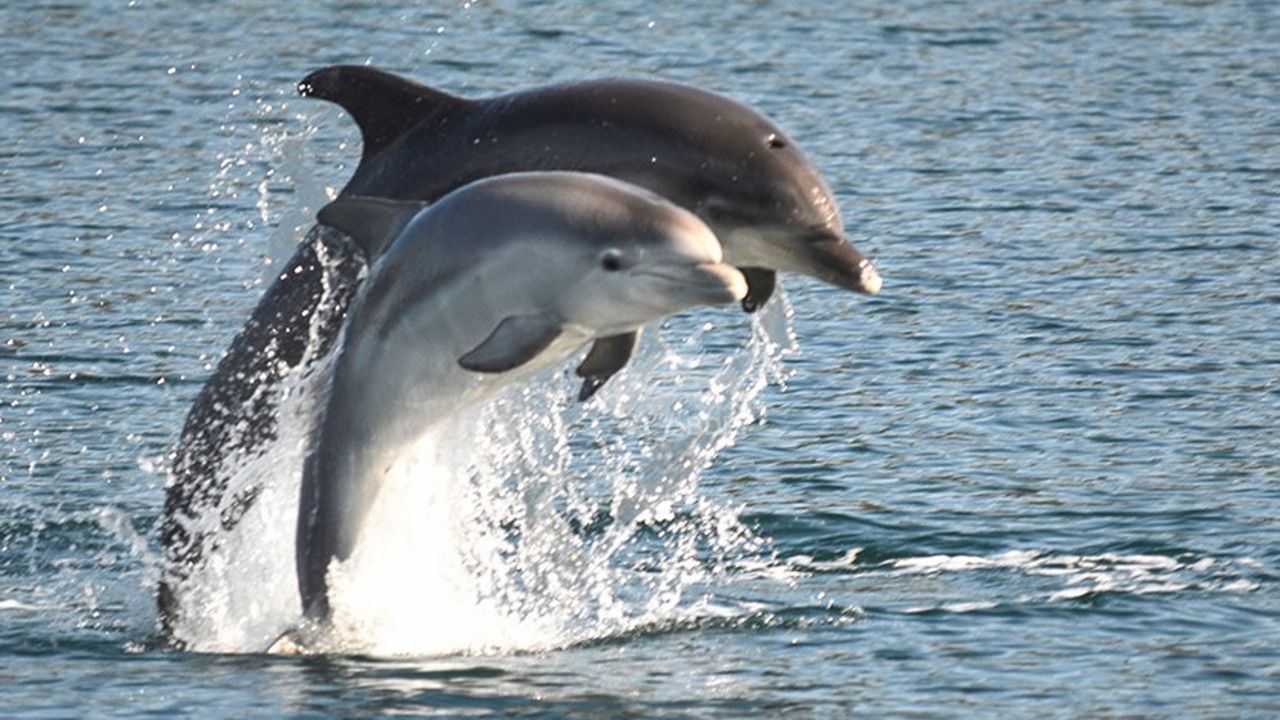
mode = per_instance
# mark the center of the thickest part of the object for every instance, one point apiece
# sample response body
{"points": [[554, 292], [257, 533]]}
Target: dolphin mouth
{"points": [[838, 262], [702, 284]]}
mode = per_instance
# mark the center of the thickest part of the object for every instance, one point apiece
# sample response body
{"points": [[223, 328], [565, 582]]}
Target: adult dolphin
{"points": [[497, 280], [716, 157], [722, 160], [727, 163]]}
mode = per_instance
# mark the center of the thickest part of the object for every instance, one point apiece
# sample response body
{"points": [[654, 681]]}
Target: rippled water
{"points": [[1036, 476]]}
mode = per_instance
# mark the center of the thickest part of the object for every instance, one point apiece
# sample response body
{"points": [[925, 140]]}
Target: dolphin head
{"points": [[611, 256], [667, 264], [533, 256], [776, 212], [733, 167]]}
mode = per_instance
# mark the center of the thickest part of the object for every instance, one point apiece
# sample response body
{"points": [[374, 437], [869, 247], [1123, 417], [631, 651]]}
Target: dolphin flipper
{"points": [[607, 356], [371, 222], [385, 106], [760, 285], [517, 340]]}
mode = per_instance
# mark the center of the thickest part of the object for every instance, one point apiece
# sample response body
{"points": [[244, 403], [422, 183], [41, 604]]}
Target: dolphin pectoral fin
{"points": [[760, 285], [517, 340], [372, 222], [383, 105], [608, 355]]}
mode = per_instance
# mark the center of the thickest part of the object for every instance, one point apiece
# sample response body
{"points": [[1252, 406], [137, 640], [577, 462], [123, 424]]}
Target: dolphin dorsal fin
{"points": [[385, 106], [372, 222]]}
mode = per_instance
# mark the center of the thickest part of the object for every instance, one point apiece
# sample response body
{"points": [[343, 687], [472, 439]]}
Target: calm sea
{"points": [[1037, 476]]}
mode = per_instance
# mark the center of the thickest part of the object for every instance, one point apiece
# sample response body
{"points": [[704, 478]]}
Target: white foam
{"points": [[245, 593], [1087, 575], [958, 608], [18, 605]]}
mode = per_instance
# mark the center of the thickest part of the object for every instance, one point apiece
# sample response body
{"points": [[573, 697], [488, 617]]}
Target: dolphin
{"points": [[715, 157], [497, 280], [722, 160], [730, 165]]}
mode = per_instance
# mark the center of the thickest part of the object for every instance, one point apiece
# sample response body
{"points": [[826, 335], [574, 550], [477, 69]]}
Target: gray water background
{"points": [[1035, 477]]}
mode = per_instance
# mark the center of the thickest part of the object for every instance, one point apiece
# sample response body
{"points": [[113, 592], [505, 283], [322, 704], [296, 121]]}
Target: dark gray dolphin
{"points": [[718, 158], [724, 161], [497, 280]]}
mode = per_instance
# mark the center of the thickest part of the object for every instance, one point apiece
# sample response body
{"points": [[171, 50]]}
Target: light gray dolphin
{"points": [[497, 280], [716, 157]]}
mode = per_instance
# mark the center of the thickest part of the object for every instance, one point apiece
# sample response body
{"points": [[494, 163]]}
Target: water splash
{"points": [[244, 594], [289, 170], [538, 523], [527, 522]]}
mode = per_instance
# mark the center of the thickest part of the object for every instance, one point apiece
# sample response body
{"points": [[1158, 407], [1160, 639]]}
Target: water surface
{"points": [[1036, 476]]}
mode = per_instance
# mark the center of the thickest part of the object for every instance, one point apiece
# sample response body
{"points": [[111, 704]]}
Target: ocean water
{"points": [[1037, 476]]}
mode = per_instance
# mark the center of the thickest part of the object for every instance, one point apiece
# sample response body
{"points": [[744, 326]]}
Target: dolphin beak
{"points": [[837, 261], [703, 284], [723, 283]]}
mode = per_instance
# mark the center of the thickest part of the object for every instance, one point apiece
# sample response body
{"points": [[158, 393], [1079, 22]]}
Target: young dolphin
{"points": [[494, 282], [716, 157]]}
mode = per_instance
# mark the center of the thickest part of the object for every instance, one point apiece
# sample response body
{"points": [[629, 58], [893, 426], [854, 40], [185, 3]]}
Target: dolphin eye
{"points": [[775, 142], [611, 260]]}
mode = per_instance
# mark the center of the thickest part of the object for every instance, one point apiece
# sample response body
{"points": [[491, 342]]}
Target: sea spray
{"points": [[532, 522], [529, 521], [245, 593]]}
